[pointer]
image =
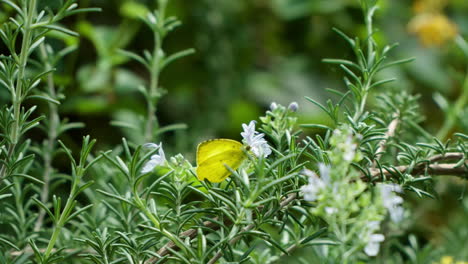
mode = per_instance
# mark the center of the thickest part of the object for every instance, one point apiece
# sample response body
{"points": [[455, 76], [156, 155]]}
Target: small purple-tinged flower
{"points": [[293, 107], [156, 159], [273, 106]]}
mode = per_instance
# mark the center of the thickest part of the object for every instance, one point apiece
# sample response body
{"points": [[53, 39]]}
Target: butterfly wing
{"points": [[214, 155], [210, 148]]}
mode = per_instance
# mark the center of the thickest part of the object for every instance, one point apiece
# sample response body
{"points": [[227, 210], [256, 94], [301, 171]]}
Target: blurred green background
{"points": [[249, 53]]}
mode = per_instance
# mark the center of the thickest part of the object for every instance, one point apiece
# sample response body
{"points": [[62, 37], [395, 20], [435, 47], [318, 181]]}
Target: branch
{"points": [[447, 156], [433, 169], [425, 167]]}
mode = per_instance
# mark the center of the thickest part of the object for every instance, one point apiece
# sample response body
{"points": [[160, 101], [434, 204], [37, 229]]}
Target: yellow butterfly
{"points": [[214, 155]]}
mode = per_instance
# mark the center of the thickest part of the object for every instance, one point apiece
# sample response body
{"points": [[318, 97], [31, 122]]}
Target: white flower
{"points": [[391, 187], [249, 132], [324, 172], [397, 214], [373, 226], [350, 150], [312, 189], [373, 246], [331, 210], [156, 159], [317, 183], [309, 173], [255, 140], [392, 202]]}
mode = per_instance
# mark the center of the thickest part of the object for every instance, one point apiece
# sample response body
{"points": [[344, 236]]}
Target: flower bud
{"points": [[273, 106], [293, 106]]}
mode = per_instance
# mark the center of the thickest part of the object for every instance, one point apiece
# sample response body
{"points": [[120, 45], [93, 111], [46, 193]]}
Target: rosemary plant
{"points": [[154, 62], [333, 197]]}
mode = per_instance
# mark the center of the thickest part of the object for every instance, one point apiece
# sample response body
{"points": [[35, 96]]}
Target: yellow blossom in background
{"points": [[433, 29], [449, 260], [446, 260], [428, 6]]}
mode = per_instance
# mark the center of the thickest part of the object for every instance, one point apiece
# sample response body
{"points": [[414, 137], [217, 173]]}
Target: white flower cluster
{"points": [[156, 159], [255, 140], [391, 201], [316, 183]]}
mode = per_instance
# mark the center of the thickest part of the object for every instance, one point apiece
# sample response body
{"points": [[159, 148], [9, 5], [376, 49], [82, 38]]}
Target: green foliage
{"points": [[336, 192]]}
